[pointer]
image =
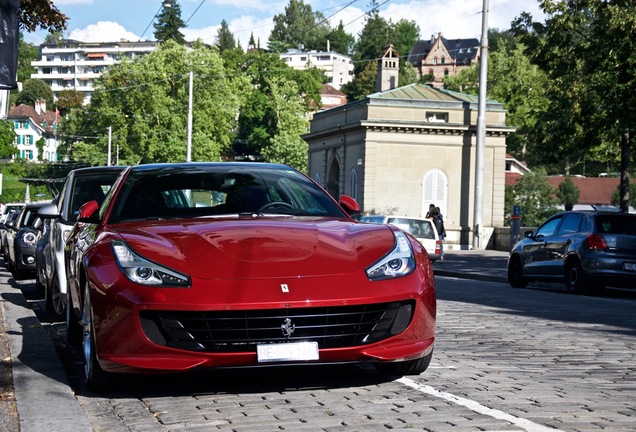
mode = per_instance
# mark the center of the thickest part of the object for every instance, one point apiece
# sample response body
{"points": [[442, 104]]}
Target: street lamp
{"points": [[167, 3]]}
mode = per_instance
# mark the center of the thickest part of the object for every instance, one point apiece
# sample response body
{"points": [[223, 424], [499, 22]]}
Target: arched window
{"points": [[435, 191], [445, 72], [434, 60], [353, 184], [443, 60]]}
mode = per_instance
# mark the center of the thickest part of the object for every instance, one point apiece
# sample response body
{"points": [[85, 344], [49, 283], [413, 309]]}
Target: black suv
{"points": [[587, 250]]}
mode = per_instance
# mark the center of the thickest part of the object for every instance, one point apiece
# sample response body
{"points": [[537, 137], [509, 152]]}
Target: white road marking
{"points": [[526, 425]]}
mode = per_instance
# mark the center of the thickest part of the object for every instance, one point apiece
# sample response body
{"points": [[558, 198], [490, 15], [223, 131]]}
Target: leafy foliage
{"points": [[146, 104], [534, 195], [7, 138], [33, 90], [225, 38], [299, 28], [567, 192], [169, 23], [42, 14], [586, 48]]}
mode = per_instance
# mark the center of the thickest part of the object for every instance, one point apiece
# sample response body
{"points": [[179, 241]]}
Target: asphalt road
{"points": [[506, 359]]}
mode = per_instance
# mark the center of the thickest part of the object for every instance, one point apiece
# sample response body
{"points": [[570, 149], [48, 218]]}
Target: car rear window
{"points": [[616, 224], [417, 228]]}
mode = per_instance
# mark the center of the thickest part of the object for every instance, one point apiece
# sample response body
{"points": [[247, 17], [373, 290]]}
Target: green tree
{"points": [[299, 28], [520, 86], [145, 102], [341, 41], [363, 84], [405, 34], [225, 38], [7, 139], [372, 39], [169, 23], [286, 145], [534, 195], [587, 50], [42, 14], [268, 126], [69, 99], [567, 192], [616, 196], [33, 90]]}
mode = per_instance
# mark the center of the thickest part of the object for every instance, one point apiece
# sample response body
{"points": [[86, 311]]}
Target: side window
{"points": [[571, 223], [548, 228]]}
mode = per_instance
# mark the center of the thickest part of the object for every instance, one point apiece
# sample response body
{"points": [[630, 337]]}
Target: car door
{"points": [[557, 245], [538, 250]]}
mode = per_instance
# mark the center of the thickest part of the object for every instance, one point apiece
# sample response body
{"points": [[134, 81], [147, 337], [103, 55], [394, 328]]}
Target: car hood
{"points": [[257, 248]]}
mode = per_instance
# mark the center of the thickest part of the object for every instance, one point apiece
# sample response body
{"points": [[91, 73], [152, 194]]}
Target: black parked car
{"points": [[21, 240], [587, 250]]}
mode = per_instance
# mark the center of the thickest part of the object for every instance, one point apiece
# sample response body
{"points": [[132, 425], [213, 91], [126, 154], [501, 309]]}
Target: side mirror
{"points": [[88, 212], [49, 211], [349, 205], [10, 224]]}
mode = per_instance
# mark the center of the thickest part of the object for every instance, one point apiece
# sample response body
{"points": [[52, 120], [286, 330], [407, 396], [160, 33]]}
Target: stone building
{"points": [[438, 57], [403, 148]]}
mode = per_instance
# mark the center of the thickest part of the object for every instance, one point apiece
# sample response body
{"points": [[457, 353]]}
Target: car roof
{"points": [[256, 165], [97, 169]]}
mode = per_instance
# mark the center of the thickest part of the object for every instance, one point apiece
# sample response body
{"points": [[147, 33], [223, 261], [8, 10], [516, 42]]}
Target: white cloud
{"points": [[103, 31]]}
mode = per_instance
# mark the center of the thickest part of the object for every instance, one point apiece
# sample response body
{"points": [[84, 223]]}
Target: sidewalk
{"points": [[45, 401]]}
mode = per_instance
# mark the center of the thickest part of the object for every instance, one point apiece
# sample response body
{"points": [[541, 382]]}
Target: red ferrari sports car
{"points": [[241, 264]]}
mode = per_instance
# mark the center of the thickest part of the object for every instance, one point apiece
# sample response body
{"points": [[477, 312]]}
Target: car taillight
{"points": [[438, 247], [596, 242]]}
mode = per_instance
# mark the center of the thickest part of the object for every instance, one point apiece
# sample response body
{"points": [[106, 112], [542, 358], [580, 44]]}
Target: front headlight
{"points": [[144, 272], [397, 263]]}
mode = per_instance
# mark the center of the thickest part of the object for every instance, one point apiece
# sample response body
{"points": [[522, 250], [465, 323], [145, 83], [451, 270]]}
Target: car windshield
{"points": [[209, 190], [616, 224]]}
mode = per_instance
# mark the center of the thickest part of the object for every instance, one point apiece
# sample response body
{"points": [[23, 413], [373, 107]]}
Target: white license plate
{"points": [[630, 266], [287, 351]]}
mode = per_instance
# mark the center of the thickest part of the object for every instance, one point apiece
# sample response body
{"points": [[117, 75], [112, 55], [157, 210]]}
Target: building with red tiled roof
{"points": [[592, 190], [33, 123]]}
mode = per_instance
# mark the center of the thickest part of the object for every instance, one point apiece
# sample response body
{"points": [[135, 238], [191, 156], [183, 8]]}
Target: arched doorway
{"points": [[333, 178]]}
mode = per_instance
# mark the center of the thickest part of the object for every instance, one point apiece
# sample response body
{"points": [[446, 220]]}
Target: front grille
{"points": [[241, 331]]}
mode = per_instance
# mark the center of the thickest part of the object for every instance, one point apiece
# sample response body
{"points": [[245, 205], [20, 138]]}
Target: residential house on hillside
{"points": [[337, 67], [331, 97], [33, 123], [439, 57], [403, 148], [69, 64]]}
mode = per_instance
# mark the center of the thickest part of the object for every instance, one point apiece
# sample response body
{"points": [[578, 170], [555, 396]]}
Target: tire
{"points": [[95, 377], [410, 367], [73, 328], [54, 302], [577, 281], [515, 273]]}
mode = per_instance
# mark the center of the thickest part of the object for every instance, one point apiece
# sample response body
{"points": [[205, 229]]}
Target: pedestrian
{"points": [[568, 206], [438, 221], [431, 208]]}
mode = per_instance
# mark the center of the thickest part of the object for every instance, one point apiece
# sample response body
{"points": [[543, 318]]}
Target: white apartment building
{"points": [[337, 67], [72, 65]]}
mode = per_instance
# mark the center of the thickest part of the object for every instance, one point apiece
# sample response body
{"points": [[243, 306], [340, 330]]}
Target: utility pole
{"points": [[481, 132], [189, 144], [110, 137]]}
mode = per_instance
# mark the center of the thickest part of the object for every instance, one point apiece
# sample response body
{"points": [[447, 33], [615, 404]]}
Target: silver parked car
{"points": [[586, 250], [422, 229], [81, 185]]}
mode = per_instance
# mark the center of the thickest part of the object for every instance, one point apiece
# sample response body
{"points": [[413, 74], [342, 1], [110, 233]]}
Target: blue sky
{"points": [[112, 20]]}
